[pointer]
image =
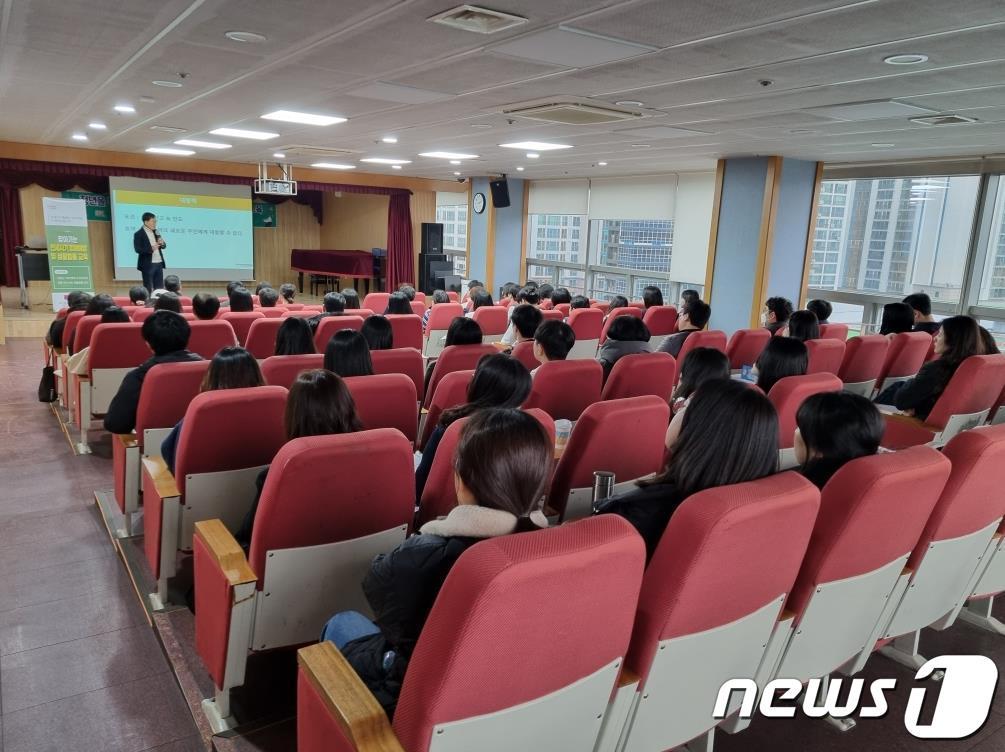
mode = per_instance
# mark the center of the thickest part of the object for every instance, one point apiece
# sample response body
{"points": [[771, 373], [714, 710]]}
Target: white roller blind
{"points": [[558, 197], [633, 198], [691, 227], [446, 198]]}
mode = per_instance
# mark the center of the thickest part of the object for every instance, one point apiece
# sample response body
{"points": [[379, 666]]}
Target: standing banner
{"points": [[69, 247], [97, 205]]}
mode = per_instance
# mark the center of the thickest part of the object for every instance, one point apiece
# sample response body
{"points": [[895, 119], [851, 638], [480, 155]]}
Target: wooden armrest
{"points": [[786, 615], [362, 719], [164, 482], [911, 421], [226, 551], [627, 678], [500, 345], [128, 440]]}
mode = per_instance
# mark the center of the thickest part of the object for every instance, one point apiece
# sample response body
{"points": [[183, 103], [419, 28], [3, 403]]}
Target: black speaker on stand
{"points": [[431, 256]]}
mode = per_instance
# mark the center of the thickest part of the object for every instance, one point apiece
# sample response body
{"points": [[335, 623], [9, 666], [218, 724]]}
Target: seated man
{"points": [[241, 301], [205, 306], [822, 309], [408, 290], [167, 301], [75, 301], [553, 340], [261, 286], [172, 283], [166, 334], [524, 322], [267, 297], [922, 306], [693, 319], [138, 295]]}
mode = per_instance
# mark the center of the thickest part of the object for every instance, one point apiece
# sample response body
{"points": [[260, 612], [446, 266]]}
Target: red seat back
{"points": [[122, 300], [294, 306], [714, 339], [563, 308], [641, 374], [455, 358], [863, 358], [261, 341], [552, 315], [492, 320], [565, 388], [282, 370], [834, 331], [85, 329], [825, 355], [328, 325], [386, 401], [629, 311], [117, 346], [70, 329], [420, 297], [275, 312], [241, 322], [451, 391], [301, 313], [168, 388], [209, 337], [376, 301], [974, 387], [440, 316], [401, 360], [603, 307], [661, 320], [789, 393], [587, 323], [139, 315], [524, 352], [406, 331], [745, 346], [454, 297], [906, 355], [185, 300], [418, 306]]}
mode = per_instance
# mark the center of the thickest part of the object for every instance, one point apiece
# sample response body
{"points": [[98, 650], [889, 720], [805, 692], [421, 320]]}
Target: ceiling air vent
{"points": [[574, 112], [943, 120], [478, 20], [313, 152]]}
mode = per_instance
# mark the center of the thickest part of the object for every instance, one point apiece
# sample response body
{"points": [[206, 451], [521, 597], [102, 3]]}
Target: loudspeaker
{"points": [[500, 193], [429, 264], [447, 281], [432, 238]]}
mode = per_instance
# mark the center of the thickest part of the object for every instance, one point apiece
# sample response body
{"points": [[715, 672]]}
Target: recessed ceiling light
{"points": [[908, 59], [481, 126], [455, 161], [248, 37], [882, 146], [334, 166], [279, 155], [532, 155], [447, 155], [801, 131], [241, 133], [519, 169], [390, 139], [386, 160], [167, 84], [642, 146], [396, 167], [304, 118], [124, 108], [79, 136], [535, 146], [173, 152], [601, 164], [457, 173], [147, 100], [203, 144], [629, 103], [98, 126]]}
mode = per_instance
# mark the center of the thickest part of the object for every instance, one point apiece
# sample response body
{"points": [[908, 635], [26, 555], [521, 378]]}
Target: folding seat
{"points": [[639, 425], [331, 324], [186, 300], [862, 363], [965, 403], [787, 395], [524, 352], [565, 388], [744, 347], [834, 331], [261, 341], [230, 436], [662, 322], [418, 307], [440, 317], [376, 301], [122, 300], [241, 322], [294, 306], [711, 596], [997, 415], [209, 337], [603, 307], [826, 355], [455, 358], [641, 374], [713, 338], [564, 309], [73, 319], [461, 690], [451, 391], [82, 335], [301, 313], [552, 315], [420, 297], [406, 330], [318, 308], [282, 370], [505, 302], [587, 324], [454, 297], [142, 314], [634, 312], [386, 401], [904, 358], [637, 304], [401, 360], [493, 321], [273, 313]]}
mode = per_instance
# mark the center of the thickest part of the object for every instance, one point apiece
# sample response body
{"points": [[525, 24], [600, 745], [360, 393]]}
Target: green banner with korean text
{"points": [[98, 209], [263, 214], [69, 247]]}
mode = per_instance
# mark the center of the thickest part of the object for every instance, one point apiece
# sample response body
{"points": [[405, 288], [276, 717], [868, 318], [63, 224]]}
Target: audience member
{"points": [[988, 344], [691, 319], [351, 299], [138, 295], [472, 284], [98, 304], [626, 336], [268, 297], [480, 297], [261, 286], [897, 318], [702, 364], [579, 301], [172, 283], [408, 291], [781, 357], [802, 326], [167, 301], [546, 291], [75, 301], [775, 313], [205, 306], [288, 291], [822, 309], [78, 362], [241, 301], [687, 297], [398, 304], [294, 337], [652, 296], [921, 309], [834, 428], [553, 340], [524, 321], [561, 296], [233, 285], [462, 331], [439, 296], [509, 290], [333, 304], [378, 333], [618, 301], [347, 354]]}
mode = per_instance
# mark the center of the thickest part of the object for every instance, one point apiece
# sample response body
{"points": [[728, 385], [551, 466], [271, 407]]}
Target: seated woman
{"points": [[398, 304], [626, 336], [77, 363], [729, 435], [652, 297], [958, 338], [377, 332], [351, 299], [501, 467], [781, 357], [499, 381], [897, 318], [462, 331], [294, 337], [700, 366], [289, 292], [439, 296], [803, 326], [834, 428], [347, 354], [231, 368], [618, 301]]}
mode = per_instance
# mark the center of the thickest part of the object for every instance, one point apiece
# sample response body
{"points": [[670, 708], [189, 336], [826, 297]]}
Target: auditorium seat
{"points": [[122, 300], [376, 301], [282, 370], [440, 317], [493, 322], [862, 363], [712, 338], [745, 347], [294, 306], [142, 314], [587, 324], [242, 323], [209, 337], [661, 322], [563, 308], [272, 313], [628, 311], [450, 391], [230, 436], [454, 297], [494, 612], [70, 328], [386, 401], [641, 374], [455, 358], [906, 355], [329, 325], [551, 315], [301, 313], [82, 337], [406, 330], [564, 388], [401, 360], [420, 297], [524, 352], [621, 436], [997, 415], [418, 306], [261, 341], [787, 395], [186, 300], [825, 355], [603, 306], [115, 350], [834, 331]]}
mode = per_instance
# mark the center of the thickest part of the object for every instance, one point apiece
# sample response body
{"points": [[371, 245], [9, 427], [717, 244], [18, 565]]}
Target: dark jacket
{"points": [[426, 463], [144, 254], [776, 326], [675, 342], [920, 393], [928, 327], [819, 471], [55, 334], [121, 415], [612, 350], [243, 535], [169, 447], [648, 508]]}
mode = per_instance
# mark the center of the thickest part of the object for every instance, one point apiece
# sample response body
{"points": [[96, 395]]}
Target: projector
{"points": [[274, 187]]}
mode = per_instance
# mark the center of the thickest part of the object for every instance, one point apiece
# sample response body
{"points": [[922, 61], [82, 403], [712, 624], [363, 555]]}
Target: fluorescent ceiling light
{"points": [[333, 166], [535, 146], [390, 139], [126, 108], [304, 118], [909, 59], [455, 161], [601, 164], [457, 173], [79, 136], [533, 155], [241, 133], [386, 160], [98, 126], [168, 84], [279, 155], [447, 155], [519, 169], [173, 152], [396, 167], [248, 37], [629, 103], [203, 144]]}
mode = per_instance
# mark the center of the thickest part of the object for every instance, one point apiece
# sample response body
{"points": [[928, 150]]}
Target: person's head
{"points": [[686, 298], [700, 365], [351, 298], [463, 331], [553, 340], [114, 315], [168, 301], [503, 461], [579, 301], [232, 368], [958, 338], [261, 286], [652, 296], [268, 297], [150, 220], [294, 337], [320, 404], [166, 332], [333, 302], [472, 284], [921, 305], [988, 344], [499, 381], [546, 291], [803, 326], [440, 296], [561, 295], [233, 285], [378, 333], [897, 318], [77, 300], [398, 304], [821, 308], [510, 290], [618, 301], [347, 354], [777, 310], [781, 357], [138, 295], [837, 427], [241, 300], [529, 295], [99, 304], [526, 319], [408, 291], [172, 283], [628, 329], [532, 283], [205, 306], [729, 435], [480, 297], [288, 291], [695, 316]]}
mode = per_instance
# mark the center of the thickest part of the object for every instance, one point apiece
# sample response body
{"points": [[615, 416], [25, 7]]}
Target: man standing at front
{"points": [[149, 246]]}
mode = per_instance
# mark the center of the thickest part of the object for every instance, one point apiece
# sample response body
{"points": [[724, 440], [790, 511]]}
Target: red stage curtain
{"points": [[400, 254], [11, 232]]}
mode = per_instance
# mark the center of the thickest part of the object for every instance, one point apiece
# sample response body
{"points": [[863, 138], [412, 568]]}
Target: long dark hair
{"points": [[378, 333], [729, 435], [398, 303], [99, 304], [351, 299], [499, 381], [839, 427], [320, 404], [652, 296], [463, 331], [962, 338], [628, 329], [294, 337], [701, 364], [347, 354], [781, 357], [803, 325], [504, 459], [897, 318], [618, 301], [232, 368]]}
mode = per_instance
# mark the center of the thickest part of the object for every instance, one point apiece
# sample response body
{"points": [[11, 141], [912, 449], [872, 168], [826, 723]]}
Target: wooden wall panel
{"points": [[296, 228], [354, 221], [423, 208]]}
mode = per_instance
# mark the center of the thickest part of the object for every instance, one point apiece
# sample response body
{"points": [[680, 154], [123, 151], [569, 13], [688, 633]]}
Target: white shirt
{"points": [[156, 257]]}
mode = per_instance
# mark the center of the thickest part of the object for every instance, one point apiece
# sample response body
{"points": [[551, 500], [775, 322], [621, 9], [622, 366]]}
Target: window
{"points": [[557, 237], [645, 245], [992, 291], [454, 218]]}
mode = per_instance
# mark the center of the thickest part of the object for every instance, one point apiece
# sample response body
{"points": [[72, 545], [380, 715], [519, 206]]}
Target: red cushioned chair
{"points": [[564, 308], [634, 312], [578, 583], [282, 370], [406, 330], [997, 415], [122, 300], [302, 313], [142, 314], [662, 322], [640, 423], [586, 323], [551, 315], [310, 550], [242, 323], [965, 403], [73, 319], [825, 355], [524, 352], [376, 301], [714, 338], [440, 317], [294, 306], [386, 401], [331, 324], [186, 300], [418, 306], [209, 337], [230, 435], [82, 335], [834, 331], [401, 360], [451, 391], [787, 395], [906, 355], [603, 307], [439, 495], [420, 297], [261, 341], [454, 297], [641, 374], [564, 388], [745, 347], [711, 597], [493, 321], [455, 358], [863, 360], [276, 312]]}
